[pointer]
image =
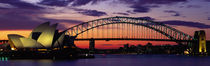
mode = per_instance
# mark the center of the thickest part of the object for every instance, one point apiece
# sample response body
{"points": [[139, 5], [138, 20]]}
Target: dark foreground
{"points": [[118, 60]]}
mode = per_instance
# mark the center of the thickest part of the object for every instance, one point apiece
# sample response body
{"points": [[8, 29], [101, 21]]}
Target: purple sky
{"points": [[180, 14]]}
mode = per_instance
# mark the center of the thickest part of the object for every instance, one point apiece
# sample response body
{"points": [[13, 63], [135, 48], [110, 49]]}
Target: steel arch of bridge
{"points": [[168, 31]]}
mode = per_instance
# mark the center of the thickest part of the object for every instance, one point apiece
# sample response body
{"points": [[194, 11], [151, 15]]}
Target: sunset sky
{"points": [[21, 16]]}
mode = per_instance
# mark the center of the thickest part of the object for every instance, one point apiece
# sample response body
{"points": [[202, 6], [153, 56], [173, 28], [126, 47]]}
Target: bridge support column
{"points": [[92, 45], [199, 46]]}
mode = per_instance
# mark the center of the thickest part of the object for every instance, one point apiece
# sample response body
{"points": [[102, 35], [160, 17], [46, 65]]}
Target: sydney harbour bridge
{"points": [[131, 28], [126, 28]]}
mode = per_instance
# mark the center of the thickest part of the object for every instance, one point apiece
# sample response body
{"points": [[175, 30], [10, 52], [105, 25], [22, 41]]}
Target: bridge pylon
{"points": [[199, 46], [92, 45]]}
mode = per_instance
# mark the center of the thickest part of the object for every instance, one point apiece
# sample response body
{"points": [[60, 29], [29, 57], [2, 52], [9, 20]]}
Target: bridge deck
{"points": [[136, 39]]}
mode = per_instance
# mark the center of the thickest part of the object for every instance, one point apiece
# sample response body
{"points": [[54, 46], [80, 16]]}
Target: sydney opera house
{"points": [[45, 41], [45, 36]]}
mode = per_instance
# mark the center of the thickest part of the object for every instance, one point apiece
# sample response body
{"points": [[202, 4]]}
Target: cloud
{"points": [[61, 20], [180, 23], [190, 6], [3, 5], [140, 9], [23, 14], [16, 19], [187, 23], [56, 2], [12, 19], [2, 8], [21, 4], [193, 6], [120, 13], [93, 13], [14, 22], [84, 2], [144, 6], [208, 18], [63, 3], [160, 1], [207, 0], [131, 12], [89, 12], [32, 1], [171, 11], [29, 23], [64, 23], [81, 2], [147, 18]]}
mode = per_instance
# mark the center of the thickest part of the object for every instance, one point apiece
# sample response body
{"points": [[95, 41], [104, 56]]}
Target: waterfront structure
{"points": [[126, 46], [42, 37], [199, 46], [92, 45]]}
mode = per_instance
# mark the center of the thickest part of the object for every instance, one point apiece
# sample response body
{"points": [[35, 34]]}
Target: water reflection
{"points": [[118, 60]]}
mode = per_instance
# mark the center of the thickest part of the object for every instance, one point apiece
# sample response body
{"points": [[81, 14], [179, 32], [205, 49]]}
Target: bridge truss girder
{"points": [[168, 31]]}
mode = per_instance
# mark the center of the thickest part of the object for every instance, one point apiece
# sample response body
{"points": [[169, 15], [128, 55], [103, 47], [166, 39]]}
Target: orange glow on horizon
{"points": [[118, 44], [4, 33]]}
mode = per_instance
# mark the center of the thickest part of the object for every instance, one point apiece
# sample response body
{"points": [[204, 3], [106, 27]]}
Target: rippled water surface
{"points": [[118, 60]]}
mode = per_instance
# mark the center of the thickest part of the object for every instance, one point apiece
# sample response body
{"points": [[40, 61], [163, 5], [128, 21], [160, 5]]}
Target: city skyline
{"points": [[20, 16]]}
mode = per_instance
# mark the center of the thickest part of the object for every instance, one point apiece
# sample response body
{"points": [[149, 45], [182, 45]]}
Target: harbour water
{"points": [[117, 60]]}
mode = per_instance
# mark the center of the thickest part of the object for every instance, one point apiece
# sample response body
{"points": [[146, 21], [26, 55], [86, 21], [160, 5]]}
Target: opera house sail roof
{"points": [[43, 36]]}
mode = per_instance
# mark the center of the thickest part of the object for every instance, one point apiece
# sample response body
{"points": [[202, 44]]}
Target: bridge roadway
{"points": [[136, 39]]}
